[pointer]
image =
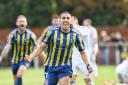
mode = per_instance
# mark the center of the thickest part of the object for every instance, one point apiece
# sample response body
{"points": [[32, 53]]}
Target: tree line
{"points": [[40, 12]]}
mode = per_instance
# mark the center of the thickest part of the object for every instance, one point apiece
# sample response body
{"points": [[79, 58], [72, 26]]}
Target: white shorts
{"points": [[95, 69], [82, 68]]}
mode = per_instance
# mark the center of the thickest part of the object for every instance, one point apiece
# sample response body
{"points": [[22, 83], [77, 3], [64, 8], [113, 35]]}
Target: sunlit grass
{"points": [[36, 76]]}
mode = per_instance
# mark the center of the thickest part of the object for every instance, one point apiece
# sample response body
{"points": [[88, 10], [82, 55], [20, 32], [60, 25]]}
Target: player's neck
{"points": [[65, 29]]}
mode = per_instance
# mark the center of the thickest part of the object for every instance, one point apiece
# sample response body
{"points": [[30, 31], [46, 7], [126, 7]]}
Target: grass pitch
{"points": [[36, 76]]}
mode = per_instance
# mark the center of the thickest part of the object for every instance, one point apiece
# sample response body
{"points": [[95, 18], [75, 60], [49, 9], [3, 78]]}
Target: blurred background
{"points": [[110, 17]]}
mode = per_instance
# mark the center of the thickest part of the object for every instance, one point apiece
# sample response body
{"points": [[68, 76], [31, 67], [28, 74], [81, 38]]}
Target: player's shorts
{"points": [[53, 77], [82, 68], [15, 67]]}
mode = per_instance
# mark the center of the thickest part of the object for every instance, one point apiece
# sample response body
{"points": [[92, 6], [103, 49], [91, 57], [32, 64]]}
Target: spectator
{"points": [[104, 48]]}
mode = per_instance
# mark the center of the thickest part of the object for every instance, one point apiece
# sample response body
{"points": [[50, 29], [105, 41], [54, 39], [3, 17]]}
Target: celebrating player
{"points": [[61, 42], [21, 41]]}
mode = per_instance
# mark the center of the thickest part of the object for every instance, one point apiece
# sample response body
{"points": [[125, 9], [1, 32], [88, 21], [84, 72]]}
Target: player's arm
{"points": [[42, 36], [5, 51], [76, 27], [43, 55], [36, 52], [84, 54], [7, 47], [39, 48]]}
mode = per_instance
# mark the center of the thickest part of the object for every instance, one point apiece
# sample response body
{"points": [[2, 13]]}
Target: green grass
{"points": [[35, 76]]}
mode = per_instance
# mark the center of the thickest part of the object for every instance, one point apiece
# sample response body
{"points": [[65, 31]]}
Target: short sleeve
{"points": [[47, 37], [10, 39], [79, 43], [33, 39]]}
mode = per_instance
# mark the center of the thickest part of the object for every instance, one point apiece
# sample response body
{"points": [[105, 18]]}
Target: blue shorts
{"points": [[15, 67], [54, 76]]}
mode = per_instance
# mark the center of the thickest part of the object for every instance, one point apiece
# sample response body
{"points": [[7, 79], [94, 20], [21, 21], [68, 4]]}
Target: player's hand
{"points": [[27, 58], [89, 68]]}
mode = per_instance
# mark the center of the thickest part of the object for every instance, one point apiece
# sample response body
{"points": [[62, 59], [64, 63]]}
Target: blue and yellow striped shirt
{"points": [[21, 44], [60, 45], [49, 28]]}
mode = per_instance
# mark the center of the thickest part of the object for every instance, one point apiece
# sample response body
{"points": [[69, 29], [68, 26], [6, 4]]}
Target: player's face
{"points": [[56, 21], [85, 23], [21, 23], [65, 20]]}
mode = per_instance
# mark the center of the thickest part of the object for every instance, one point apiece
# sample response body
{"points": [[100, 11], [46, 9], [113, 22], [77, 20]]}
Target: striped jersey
{"points": [[61, 44], [21, 44], [49, 28]]}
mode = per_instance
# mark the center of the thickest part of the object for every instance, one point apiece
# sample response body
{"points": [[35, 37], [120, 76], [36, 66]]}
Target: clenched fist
{"points": [[27, 58], [89, 68]]}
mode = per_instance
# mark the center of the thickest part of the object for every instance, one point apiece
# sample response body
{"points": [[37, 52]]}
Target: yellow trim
{"points": [[60, 49], [22, 48], [54, 46]]}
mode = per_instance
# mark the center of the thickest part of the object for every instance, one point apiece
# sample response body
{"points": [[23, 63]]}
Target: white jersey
{"points": [[123, 67], [76, 56], [122, 71], [92, 36]]}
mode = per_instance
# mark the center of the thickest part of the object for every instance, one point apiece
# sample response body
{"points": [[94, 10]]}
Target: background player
{"points": [[21, 41], [122, 70], [93, 45], [77, 62]]}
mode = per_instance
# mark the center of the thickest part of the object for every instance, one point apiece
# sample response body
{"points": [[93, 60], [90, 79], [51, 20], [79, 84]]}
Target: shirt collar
{"points": [[20, 31]]}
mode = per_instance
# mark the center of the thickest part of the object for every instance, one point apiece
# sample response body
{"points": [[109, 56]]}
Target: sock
{"points": [[72, 82], [18, 81]]}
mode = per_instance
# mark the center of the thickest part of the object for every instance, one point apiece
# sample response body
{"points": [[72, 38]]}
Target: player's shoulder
{"points": [[51, 27], [14, 31], [93, 28], [73, 31], [30, 32]]}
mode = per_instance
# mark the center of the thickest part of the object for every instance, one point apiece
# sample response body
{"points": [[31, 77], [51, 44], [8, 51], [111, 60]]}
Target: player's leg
{"points": [[14, 71], [94, 67], [52, 78], [86, 74], [73, 79], [20, 72], [64, 80], [74, 76], [95, 70], [64, 75]]}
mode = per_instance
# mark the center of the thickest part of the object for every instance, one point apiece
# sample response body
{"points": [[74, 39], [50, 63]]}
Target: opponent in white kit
{"points": [[77, 62], [93, 45]]}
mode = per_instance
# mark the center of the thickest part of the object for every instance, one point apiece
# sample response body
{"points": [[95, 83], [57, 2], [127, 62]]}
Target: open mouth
{"points": [[22, 25], [65, 23]]}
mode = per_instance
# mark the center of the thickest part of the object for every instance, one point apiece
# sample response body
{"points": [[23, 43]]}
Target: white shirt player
{"points": [[84, 33], [77, 62], [93, 49], [92, 43], [122, 71], [88, 35]]}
